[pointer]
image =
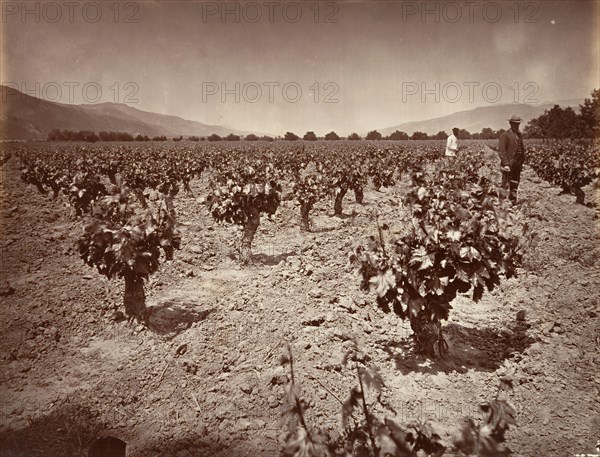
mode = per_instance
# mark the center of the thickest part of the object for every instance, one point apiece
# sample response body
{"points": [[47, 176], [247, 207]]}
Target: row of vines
{"points": [[459, 236]]}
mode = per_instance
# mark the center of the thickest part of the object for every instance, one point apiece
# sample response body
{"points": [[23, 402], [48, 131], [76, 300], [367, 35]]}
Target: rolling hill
{"points": [[476, 119], [26, 117]]}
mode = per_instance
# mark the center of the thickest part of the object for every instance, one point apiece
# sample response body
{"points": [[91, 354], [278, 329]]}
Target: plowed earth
{"points": [[205, 380]]}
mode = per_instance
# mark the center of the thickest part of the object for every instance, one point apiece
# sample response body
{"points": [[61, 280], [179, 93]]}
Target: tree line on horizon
{"points": [[556, 123], [93, 137]]}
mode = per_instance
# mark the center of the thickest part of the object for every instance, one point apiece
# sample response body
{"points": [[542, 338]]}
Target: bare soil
{"points": [[205, 380]]}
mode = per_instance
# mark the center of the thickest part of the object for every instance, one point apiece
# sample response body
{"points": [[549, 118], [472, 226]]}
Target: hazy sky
{"points": [[371, 61]]}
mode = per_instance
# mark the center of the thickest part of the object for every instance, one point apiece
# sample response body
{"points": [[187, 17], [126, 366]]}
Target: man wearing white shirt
{"points": [[452, 144]]}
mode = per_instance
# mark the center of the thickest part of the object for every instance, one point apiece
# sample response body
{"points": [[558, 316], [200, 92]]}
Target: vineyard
{"points": [[299, 298]]}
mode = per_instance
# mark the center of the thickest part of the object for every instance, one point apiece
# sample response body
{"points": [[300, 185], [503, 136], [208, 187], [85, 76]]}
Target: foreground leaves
{"points": [[363, 433]]}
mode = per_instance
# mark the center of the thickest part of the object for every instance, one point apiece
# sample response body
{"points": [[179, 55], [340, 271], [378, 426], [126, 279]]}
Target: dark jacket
{"points": [[507, 148]]}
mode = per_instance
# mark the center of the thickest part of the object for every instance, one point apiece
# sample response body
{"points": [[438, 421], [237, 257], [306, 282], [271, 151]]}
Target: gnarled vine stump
{"points": [[304, 216], [426, 334], [337, 207], [135, 297], [250, 228]]}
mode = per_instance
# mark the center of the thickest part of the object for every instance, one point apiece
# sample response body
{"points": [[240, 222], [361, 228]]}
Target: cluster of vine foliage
{"points": [[123, 238], [364, 434], [458, 238], [239, 194], [569, 164]]}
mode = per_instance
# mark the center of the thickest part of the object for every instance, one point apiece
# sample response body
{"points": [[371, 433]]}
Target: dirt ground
{"points": [[205, 379]]}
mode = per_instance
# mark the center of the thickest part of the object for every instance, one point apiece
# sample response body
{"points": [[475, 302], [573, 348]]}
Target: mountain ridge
{"points": [[477, 118], [25, 117]]}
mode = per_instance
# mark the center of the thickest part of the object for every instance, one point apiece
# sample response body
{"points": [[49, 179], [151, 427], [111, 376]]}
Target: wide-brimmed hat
{"points": [[516, 119]]}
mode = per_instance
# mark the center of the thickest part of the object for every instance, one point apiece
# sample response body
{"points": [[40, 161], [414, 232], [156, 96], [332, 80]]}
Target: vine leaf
{"points": [[421, 257], [383, 282]]}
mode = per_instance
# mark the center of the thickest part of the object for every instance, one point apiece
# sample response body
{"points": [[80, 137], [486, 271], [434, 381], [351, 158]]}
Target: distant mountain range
{"points": [[476, 119], [26, 117]]}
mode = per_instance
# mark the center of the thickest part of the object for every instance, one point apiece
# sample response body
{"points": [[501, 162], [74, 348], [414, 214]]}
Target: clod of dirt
{"points": [[246, 388], [181, 350], [6, 289], [272, 402], [190, 367], [313, 321], [548, 327], [196, 249]]}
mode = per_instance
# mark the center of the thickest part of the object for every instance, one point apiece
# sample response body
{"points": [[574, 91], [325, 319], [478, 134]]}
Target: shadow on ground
{"points": [[323, 229], [270, 260], [469, 349], [70, 430], [173, 317]]}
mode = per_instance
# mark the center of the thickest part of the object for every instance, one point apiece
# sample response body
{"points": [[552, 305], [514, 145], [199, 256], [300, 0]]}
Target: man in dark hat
{"points": [[452, 144], [511, 150]]}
